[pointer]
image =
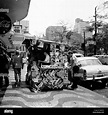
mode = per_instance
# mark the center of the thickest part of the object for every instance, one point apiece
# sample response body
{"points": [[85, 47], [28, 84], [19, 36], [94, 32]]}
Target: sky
{"points": [[45, 13]]}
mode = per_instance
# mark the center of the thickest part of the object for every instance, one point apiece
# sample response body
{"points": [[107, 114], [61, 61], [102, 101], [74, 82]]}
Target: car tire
{"points": [[89, 85], [92, 86], [104, 83]]}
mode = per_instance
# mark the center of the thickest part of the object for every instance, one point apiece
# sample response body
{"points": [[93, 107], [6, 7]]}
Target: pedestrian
{"points": [[47, 57], [71, 78], [4, 69], [17, 66], [24, 60]]}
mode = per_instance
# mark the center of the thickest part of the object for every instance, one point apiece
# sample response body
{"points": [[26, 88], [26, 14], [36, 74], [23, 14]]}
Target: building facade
{"points": [[80, 27], [19, 29], [24, 26]]}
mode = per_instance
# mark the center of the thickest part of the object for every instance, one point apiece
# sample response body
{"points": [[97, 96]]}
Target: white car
{"points": [[102, 58], [77, 55], [91, 69]]}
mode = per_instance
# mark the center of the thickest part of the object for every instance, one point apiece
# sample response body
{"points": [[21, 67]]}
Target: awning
{"points": [[28, 36], [18, 37], [51, 41], [18, 9]]}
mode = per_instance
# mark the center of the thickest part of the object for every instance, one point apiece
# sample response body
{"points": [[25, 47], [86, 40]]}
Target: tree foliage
{"points": [[74, 40], [102, 39]]}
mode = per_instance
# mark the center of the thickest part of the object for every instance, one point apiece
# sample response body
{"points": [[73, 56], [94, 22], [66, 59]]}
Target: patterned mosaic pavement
{"points": [[23, 97], [80, 97]]}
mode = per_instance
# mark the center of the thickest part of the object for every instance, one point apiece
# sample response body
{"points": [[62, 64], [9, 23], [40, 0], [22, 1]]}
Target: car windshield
{"points": [[87, 62], [79, 56]]}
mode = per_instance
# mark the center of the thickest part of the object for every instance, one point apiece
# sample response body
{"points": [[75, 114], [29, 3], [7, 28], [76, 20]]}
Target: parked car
{"points": [[91, 69], [77, 55], [102, 58]]}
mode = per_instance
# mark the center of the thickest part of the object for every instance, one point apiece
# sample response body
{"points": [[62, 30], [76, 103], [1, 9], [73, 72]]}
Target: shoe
{"points": [[16, 84], [74, 87], [69, 86], [33, 90], [19, 84]]}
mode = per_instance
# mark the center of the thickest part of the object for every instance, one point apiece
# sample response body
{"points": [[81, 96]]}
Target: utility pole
{"points": [[95, 35], [84, 44]]}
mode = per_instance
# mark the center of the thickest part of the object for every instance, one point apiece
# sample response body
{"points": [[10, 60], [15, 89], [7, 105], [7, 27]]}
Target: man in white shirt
{"points": [[47, 59]]}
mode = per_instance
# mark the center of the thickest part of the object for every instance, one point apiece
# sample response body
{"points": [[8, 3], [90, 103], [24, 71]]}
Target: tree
{"points": [[74, 40], [61, 35], [56, 33], [99, 39], [102, 39]]}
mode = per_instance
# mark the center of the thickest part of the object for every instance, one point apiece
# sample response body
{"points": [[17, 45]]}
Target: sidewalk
{"points": [[81, 97]]}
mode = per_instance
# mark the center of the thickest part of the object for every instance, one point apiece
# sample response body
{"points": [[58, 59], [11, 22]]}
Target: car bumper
{"points": [[89, 78], [97, 78]]}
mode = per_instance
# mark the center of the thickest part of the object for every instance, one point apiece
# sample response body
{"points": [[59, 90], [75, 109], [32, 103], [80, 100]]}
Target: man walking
{"points": [[71, 78], [17, 65]]}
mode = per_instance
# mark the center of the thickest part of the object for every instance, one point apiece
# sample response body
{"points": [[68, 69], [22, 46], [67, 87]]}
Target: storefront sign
{"points": [[91, 42], [5, 23]]}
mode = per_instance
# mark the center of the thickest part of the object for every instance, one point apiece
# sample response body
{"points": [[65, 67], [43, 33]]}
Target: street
{"points": [[23, 97]]}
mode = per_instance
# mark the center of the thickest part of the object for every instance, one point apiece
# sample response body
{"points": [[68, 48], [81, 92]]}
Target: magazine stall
{"points": [[53, 72]]}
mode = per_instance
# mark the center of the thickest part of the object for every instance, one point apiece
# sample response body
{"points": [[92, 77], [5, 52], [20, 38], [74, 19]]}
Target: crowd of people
{"points": [[17, 65], [5, 63]]}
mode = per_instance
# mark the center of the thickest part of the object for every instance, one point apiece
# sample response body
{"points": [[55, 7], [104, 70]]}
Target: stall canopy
{"points": [[18, 9], [28, 36], [28, 39]]}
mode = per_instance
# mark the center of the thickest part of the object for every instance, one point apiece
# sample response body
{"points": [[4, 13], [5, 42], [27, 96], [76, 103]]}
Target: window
{"points": [[89, 62], [17, 28]]}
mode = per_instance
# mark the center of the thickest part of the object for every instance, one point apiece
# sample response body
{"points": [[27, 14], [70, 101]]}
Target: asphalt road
{"points": [[100, 90]]}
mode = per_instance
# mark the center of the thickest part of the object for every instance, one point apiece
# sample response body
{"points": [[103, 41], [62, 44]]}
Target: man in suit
{"points": [[17, 66]]}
